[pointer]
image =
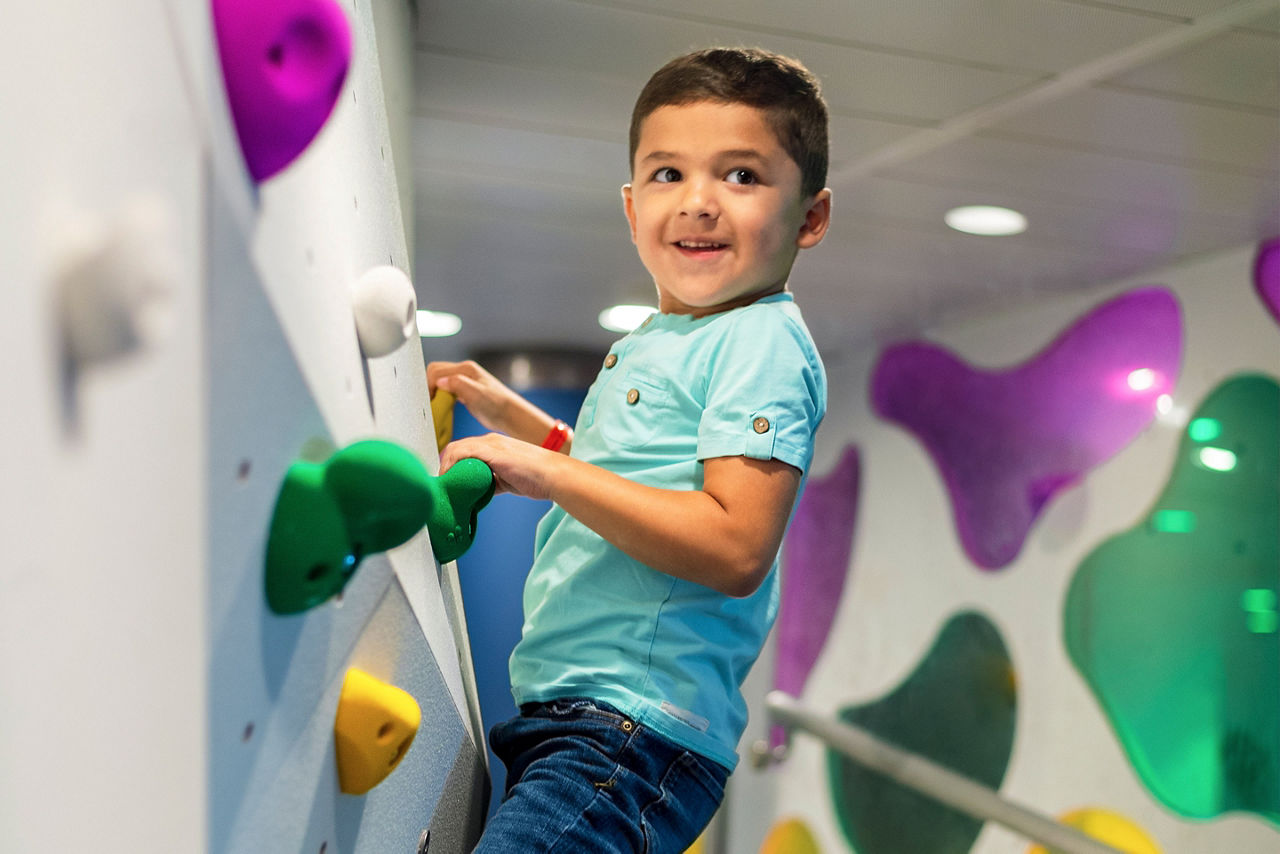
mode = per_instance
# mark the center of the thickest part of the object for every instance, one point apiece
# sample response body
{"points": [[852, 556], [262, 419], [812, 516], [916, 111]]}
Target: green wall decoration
{"points": [[1173, 623], [958, 709]]}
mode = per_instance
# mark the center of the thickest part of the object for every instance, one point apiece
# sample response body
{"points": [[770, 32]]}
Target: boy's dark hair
{"points": [[784, 90]]}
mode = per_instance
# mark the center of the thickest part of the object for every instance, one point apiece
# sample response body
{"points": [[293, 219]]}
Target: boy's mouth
{"points": [[699, 247]]}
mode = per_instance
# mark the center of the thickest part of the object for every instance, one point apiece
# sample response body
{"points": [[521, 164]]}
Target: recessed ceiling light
{"points": [[438, 324], [624, 318], [987, 220]]}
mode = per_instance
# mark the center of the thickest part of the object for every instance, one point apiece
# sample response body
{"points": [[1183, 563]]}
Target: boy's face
{"points": [[715, 207]]}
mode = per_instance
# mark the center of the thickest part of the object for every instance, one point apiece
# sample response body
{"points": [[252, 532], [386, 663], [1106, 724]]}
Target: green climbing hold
{"points": [[368, 497]]}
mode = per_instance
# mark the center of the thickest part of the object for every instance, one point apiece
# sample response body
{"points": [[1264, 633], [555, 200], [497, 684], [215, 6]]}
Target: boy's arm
{"points": [[724, 536]]}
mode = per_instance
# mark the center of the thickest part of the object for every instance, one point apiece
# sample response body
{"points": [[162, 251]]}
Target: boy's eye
{"points": [[666, 175], [741, 176]]}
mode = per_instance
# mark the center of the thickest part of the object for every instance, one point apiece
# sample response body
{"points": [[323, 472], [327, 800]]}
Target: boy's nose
{"points": [[699, 200]]}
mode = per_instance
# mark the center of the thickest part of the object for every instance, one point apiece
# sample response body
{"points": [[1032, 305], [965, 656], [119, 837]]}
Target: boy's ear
{"points": [[628, 207], [816, 219]]}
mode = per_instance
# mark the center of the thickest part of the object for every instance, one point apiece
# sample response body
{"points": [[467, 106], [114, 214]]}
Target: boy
{"points": [[653, 583]]}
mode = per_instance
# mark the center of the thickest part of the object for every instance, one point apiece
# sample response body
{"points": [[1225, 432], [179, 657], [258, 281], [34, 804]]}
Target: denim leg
{"points": [[582, 777]]}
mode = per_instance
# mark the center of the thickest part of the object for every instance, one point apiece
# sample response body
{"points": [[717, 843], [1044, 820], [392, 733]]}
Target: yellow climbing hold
{"points": [[374, 727], [442, 417], [1109, 827], [790, 836]]}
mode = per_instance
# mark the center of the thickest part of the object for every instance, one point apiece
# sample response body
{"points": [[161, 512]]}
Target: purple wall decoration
{"points": [[283, 63], [815, 563], [1006, 441], [1266, 275]]}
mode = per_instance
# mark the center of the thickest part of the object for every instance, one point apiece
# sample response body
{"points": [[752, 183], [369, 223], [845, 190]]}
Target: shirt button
{"points": [[761, 425], [633, 396], [610, 360]]}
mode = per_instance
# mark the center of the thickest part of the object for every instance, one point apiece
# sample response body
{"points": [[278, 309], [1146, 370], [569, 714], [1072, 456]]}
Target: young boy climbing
{"points": [[653, 583]]}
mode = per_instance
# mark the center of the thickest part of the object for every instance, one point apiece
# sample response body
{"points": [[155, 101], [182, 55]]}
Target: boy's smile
{"points": [[715, 207]]}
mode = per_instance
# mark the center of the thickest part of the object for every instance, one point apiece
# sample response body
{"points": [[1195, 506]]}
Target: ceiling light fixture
{"points": [[986, 220], [624, 318], [438, 324]]}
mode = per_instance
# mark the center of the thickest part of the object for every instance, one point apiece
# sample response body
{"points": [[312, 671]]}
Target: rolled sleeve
{"points": [[765, 394]]}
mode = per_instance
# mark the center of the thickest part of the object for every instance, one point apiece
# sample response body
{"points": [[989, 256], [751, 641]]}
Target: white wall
{"points": [[149, 701], [102, 643], [909, 574]]}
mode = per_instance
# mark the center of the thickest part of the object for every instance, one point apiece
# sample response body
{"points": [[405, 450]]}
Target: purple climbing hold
{"points": [[1007, 441], [1266, 275], [815, 563], [283, 62]]}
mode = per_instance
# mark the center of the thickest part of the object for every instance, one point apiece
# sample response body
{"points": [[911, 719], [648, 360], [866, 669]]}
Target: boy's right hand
{"points": [[481, 392], [490, 401]]}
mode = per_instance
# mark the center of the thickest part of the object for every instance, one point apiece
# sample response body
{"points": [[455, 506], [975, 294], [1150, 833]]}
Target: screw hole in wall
{"points": [[248, 733], [242, 471], [324, 846]]}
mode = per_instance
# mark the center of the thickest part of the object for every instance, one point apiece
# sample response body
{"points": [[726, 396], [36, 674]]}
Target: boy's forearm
{"points": [[527, 422], [727, 543]]}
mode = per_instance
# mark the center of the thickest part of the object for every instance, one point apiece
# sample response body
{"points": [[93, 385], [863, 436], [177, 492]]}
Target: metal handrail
{"points": [[931, 779]]}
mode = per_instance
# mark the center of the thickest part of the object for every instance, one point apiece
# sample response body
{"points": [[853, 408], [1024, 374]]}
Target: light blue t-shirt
{"points": [[668, 653]]}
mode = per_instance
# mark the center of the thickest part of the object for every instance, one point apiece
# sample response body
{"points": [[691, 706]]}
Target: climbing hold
{"points": [[368, 497], [385, 309], [375, 725], [1173, 623], [442, 416], [1005, 442], [283, 64], [114, 280]]}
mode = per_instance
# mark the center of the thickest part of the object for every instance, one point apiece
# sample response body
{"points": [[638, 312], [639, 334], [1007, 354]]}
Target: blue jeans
{"points": [[582, 777]]}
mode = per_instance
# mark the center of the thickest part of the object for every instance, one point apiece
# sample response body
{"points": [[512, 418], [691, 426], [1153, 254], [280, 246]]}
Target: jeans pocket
{"points": [[691, 791]]}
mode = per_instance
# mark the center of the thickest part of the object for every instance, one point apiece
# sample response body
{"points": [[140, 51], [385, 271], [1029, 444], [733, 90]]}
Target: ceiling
{"points": [[1133, 134]]}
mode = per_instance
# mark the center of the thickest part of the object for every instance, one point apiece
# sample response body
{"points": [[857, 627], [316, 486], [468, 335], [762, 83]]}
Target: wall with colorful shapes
{"points": [[1040, 548], [231, 620]]}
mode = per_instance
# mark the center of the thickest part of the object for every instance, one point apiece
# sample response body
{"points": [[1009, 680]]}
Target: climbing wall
{"points": [[206, 300], [1041, 549]]}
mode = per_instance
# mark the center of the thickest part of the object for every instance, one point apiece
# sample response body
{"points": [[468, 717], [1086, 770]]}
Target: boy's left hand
{"points": [[518, 467]]}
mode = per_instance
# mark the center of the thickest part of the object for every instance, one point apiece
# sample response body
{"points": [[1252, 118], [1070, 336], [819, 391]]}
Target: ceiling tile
{"points": [[1237, 67], [1146, 127], [1002, 35]]}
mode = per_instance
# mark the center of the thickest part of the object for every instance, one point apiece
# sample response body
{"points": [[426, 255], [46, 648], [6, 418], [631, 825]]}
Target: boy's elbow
{"points": [[743, 578]]}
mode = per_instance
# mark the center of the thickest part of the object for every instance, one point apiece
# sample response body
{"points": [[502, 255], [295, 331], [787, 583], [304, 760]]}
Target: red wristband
{"points": [[557, 437]]}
